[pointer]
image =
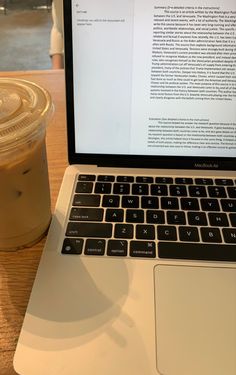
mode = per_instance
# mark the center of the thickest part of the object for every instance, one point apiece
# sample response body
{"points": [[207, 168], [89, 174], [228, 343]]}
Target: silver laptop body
{"points": [[138, 274]]}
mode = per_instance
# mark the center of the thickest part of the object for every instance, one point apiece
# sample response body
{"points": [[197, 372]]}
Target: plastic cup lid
{"points": [[24, 110]]}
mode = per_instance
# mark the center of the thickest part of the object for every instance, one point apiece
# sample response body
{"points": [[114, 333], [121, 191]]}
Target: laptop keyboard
{"points": [[150, 217]]}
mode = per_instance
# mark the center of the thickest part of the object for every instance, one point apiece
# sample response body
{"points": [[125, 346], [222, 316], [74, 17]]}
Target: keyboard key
{"points": [[106, 178], [140, 189], [169, 203], [189, 204], [95, 247], [217, 191], [120, 188], [117, 248], [224, 181], [188, 234], [164, 180], [229, 235], [176, 217], [143, 249], [114, 215], [91, 200], [145, 232], [218, 219], [84, 187], [130, 202], [72, 246], [178, 190], [232, 219], [211, 235], [149, 202], [111, 201], [86, 214], [231, 192], [86, 177], [125, 179], [159, 190], [197, 218], [197, 191], [184, 180], [155, 217], [144, 179], [103, 187], [203, 181], [196, 251], [124, 231], [228, 205], [210, 204], [134, 216], [167, 233], [100, 230]]}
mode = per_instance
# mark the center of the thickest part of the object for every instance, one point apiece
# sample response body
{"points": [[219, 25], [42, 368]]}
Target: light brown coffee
{"points": [[24, 188]]}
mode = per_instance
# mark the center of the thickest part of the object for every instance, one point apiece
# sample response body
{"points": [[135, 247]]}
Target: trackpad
{"points": [[195, 320]]}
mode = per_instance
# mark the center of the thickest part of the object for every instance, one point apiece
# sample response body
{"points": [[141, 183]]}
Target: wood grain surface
{"points": [[18, 268]]}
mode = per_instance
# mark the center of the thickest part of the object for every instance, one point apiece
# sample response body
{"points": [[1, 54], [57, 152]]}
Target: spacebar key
{"points": [[98, 230], [194, 251]]}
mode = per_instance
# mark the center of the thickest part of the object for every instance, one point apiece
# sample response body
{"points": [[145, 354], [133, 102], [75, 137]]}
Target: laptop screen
{"points": [[154, 78]]}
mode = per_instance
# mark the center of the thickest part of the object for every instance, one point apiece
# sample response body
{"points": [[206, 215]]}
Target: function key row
{"points": [[158, 180]]}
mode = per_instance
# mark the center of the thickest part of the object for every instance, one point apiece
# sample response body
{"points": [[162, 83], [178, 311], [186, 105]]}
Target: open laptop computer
{"points": [[138, 275]]}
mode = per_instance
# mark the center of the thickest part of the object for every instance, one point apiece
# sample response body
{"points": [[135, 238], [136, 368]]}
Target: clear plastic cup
{"points": [[25, 209]]}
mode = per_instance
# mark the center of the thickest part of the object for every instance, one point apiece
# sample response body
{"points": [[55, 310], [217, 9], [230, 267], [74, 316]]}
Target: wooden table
{"points": [[18, 268]]}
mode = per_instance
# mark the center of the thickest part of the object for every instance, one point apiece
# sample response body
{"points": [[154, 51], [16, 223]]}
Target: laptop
{"points": [[138, 274]]}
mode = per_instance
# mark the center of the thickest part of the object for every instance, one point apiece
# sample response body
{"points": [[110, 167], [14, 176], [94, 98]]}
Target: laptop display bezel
{"points": [[127, 161]]}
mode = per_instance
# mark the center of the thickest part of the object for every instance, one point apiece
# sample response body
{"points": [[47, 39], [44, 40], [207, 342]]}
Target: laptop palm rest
{"points": [[195, 320]]}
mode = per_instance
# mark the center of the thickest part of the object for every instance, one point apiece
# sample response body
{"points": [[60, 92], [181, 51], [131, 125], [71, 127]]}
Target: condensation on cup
{"points": [[25, 209]]}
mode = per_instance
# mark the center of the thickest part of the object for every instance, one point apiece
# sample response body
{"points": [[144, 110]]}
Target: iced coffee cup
{"points": [[25, 110]]}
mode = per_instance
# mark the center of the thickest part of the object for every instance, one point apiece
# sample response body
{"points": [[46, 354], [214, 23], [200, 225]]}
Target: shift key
{"points": [[99, 230]]}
